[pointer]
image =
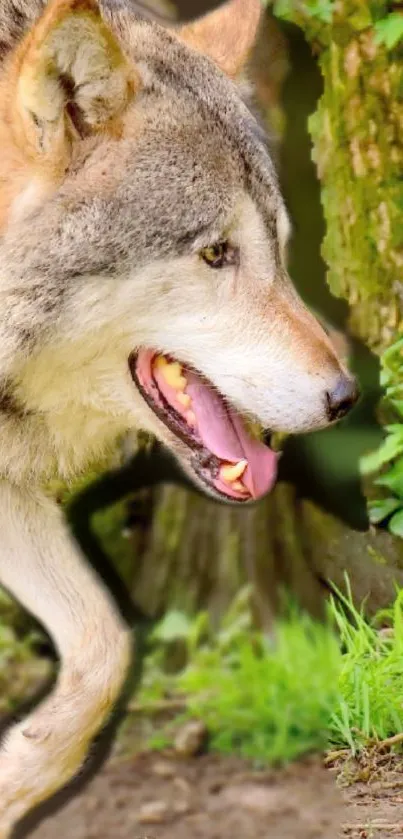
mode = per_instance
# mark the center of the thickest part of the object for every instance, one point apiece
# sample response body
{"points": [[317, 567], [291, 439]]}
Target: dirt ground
{"points": [[375, 808], [155, 796]]}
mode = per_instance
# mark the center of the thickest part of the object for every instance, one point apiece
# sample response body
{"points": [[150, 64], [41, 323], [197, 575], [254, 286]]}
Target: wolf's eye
{"points": [[220, 254]]}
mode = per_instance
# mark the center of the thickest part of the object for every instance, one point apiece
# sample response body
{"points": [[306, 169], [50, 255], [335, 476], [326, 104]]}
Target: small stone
{"points": [[181, 807], [191, 739], [164, 769], [91, 804], [121, 801], [155, 812], [182, 786], [255, 797]]}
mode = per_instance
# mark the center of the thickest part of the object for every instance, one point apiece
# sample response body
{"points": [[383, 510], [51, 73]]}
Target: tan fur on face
{"points": [[226, 35]]}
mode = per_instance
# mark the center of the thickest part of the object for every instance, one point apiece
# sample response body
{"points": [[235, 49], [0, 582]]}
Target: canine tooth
{"points": [[172, 374], [239, 486], [229, 474], [160, 362], [184, 399], [191, 418]]}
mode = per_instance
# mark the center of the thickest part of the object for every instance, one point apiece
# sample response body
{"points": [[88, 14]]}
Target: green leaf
{"points": [[395, 428], [397, 404], [321, 9], [283, 9], [360, 19], [389, 31], [392, 350], [390, 448], [175, 625], [393, 478], [380, 510], [396, 524], [198, 631]]}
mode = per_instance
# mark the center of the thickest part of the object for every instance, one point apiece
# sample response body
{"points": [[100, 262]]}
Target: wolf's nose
{"points": [[344, 396]]}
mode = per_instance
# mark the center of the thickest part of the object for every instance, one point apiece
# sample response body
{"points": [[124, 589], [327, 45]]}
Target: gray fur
{"points": [[127, 224], [16, 17], [198, 148], [9, 404]]}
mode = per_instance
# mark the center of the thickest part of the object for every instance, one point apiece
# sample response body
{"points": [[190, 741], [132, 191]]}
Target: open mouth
{"points": [[223, 453]]}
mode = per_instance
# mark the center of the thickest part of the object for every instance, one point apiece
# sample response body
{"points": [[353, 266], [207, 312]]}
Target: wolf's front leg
{"points": [[40, 567]]}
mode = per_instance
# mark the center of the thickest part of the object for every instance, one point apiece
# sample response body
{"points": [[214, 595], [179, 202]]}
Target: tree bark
{"points": [[184, 551], [357, 132]]}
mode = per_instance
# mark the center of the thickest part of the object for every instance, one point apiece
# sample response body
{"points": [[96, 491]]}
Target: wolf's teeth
{"points": [[184, 399], [191, 419], [229, 474], [172, 372], [239, 487], [160, 362]]}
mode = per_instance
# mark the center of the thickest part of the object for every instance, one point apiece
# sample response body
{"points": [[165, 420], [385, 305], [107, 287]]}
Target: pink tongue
{"points": [[222, 431]]}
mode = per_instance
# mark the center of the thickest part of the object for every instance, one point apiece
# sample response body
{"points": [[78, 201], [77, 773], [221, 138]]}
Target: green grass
{"points": [[316, 687], [370, 683], [266, 702], [308, 688]]}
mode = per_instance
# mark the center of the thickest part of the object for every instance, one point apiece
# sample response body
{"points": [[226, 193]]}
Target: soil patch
{"points": [[155, 796], [375, 808]]}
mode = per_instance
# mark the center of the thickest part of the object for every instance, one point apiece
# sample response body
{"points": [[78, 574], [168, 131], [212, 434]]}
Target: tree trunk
{"points": [[184, 551], [358, 147]]}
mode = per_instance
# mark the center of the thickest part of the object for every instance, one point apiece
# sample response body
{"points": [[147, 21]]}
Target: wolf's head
{"points": [[144, 240]]}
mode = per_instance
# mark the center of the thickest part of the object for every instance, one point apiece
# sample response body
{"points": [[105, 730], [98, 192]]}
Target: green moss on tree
{"points": [[358, 147]]}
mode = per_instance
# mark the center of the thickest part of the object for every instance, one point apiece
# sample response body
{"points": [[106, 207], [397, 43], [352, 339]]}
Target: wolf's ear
{"points": [[227, 35], [71, 77]]}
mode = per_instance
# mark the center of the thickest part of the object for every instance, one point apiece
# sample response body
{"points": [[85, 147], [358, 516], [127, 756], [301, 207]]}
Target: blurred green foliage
{"points": [[388, 458], [307, 687], [320, 9], [369, 706], [22, 671], [389, 30], [388, 27]]}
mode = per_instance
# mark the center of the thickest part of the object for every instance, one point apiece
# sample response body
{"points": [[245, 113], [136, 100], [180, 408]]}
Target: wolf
{"points": [[143, 285]]}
